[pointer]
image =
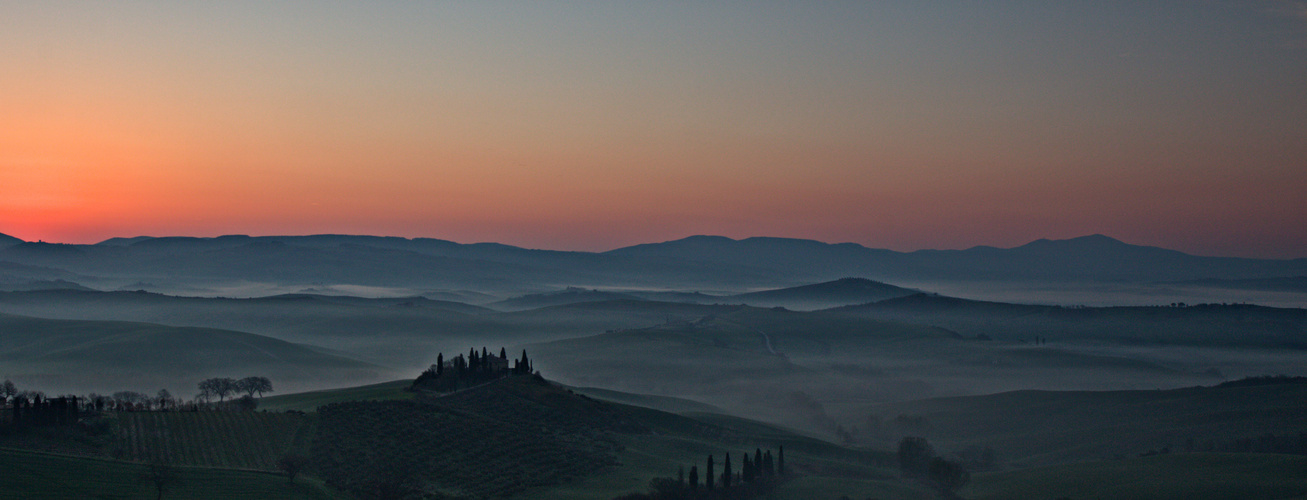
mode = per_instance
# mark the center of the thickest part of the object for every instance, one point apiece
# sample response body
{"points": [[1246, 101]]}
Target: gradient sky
{"points": [[589, 126]]}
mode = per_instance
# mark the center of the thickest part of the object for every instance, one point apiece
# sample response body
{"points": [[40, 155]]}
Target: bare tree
{"points": [[8, 389], [161, 475], [163, 399], [292, 464], [220, 387], [251, 385]]}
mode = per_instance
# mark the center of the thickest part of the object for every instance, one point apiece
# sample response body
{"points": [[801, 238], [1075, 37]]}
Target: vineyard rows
{"points": [[243, 440]]}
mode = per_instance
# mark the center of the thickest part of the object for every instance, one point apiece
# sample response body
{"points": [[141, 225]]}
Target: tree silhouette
{"points": [[726, 472], [220, 387], [745, 469], [292, 464], [161, 475], [708, 478], [251, 385], [163, 398], [780, 460], [914, 455]]}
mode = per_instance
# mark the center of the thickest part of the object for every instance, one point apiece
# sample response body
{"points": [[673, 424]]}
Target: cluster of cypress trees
{"points": [[39, 411], [476, 368]]}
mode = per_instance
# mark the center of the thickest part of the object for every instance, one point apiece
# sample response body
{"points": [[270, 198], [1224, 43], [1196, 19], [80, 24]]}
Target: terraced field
{"points": [[238, 440]]}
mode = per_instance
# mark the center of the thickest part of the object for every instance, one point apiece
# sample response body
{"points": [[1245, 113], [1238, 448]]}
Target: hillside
{"points": [[1207, 325], [6, 240], [1181, 476], [841, 292], [1043, 427], [525, 436], [107, 356], [568, 296]]}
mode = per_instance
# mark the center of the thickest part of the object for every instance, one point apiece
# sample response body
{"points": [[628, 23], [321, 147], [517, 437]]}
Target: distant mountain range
{"points": [[697, 262]]}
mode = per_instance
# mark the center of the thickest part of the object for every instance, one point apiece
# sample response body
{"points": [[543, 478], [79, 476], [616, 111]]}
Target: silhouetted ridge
{"points": [[841, 288], [6, 240], [40, 248]]}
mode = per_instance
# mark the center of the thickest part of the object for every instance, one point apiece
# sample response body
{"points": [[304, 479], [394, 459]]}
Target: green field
{"points": [[1186, 476], [1045, 427], [34, 475]]}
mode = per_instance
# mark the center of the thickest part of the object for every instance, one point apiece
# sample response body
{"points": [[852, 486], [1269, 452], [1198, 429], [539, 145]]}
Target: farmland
{"points": [[238, 440]]}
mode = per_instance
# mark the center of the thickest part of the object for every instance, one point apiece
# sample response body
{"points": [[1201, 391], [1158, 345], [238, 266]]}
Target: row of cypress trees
{"points": [[759, 472]]}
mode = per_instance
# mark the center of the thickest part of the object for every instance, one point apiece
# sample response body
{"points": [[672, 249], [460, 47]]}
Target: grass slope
{"points": [[1189, 476], [1042, 427], [35, 475]]}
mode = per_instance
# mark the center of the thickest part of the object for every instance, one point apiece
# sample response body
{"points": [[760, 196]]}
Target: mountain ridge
{"points": [[695, 262]]}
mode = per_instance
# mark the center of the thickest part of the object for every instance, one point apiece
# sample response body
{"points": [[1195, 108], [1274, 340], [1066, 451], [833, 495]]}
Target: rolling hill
{"points": [[841, 292], [571, 295], [1212, 325], [8, 241], [1043, 427], [107, 356]]}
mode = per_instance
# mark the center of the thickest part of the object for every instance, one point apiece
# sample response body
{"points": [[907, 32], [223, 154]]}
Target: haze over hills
{"points": [[841, 292], [844, 291], [67, 356], [694, 263]]}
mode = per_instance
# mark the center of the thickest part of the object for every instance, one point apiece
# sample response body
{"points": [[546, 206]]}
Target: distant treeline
{"points": [[475, 369], [34, 409]]}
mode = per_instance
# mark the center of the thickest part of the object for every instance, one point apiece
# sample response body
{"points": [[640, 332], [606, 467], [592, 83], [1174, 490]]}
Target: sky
{"points": [[596, 125]]}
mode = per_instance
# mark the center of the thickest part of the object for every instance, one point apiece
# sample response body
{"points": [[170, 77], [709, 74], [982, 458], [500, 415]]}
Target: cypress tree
{"points": [[708, 478], [780, 460], [745, 469], [768, 466], [726, 472], [694, 478], [757, 463], [440, 364], [680, 476], [503, 354]]}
